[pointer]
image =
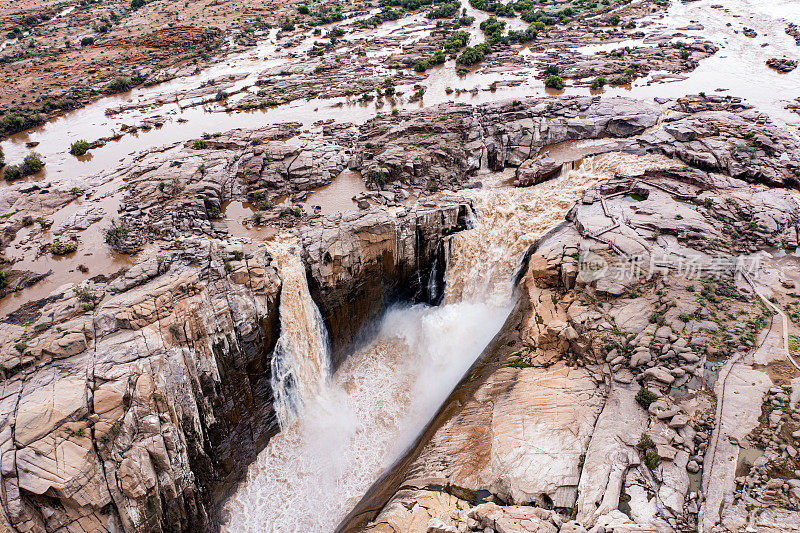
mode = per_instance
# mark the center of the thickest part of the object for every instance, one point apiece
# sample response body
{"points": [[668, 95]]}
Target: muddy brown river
{"points": [[737, 69]]}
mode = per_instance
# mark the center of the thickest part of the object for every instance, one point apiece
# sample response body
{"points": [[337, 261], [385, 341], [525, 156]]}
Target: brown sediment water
{"points": [[747, 456], [92, 252], [738, 68], [574, 150], [337, 196], [511, 219], [238, 217]]}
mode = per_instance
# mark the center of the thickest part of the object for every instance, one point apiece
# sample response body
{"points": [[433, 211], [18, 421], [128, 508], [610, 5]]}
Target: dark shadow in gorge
{"points": [[347, 306]]}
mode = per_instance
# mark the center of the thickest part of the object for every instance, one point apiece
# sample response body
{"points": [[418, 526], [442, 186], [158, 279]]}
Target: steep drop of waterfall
{"points": [[483, 261], [301, 361], [357, 423], [360, 422]]}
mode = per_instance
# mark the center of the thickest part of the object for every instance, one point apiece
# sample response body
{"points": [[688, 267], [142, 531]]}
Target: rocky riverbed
{"points": [[325, 206]]}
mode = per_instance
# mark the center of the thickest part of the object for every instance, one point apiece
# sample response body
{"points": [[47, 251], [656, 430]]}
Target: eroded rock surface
{"points": [[674, 363], [136, 402]]}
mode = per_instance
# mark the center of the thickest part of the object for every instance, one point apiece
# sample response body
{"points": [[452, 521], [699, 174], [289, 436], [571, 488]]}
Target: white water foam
{"points": [[318, 468]]}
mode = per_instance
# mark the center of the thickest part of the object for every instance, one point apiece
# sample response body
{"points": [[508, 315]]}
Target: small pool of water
{"points": [[710, 374], [238, 217], [337, 196], [695, 481], [634, 198], [747, 456]]}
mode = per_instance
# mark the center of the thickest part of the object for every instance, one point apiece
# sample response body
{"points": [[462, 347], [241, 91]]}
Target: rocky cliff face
{"points": [[135, 403], [619, 399], [360, 262], [444, 146]]}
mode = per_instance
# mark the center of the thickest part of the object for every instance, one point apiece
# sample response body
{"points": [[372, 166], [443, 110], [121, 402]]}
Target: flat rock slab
{"points": [[742, 399], [540, 428]]}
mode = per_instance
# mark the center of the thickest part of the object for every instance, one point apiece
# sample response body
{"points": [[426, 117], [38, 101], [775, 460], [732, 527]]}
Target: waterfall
{"points": [[483, 261], [433, 285], [356, 423], [301, 360]]}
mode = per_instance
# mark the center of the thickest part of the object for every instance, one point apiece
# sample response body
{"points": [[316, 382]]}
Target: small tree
{"points": [[645, 442], [645, 397], [31, 164], [12, 173], [599, 82], [652, 460], [118, 85], [554, 82], [116, 234], [79, 147]]}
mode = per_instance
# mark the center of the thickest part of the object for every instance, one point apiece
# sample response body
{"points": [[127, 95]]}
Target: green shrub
{"points": [[3, 279], [136, 4], [118, 85], [13, 121], [554, 82], [62, 248], [79, 147], [31, 164], [116, 234], [87, 41], [473, 54], [83, 293], [645, 442], [652, 459], [599, 82], [551, 70], [645, 397], [2, 157], [12, 173], [445, 10], [199, 144]]}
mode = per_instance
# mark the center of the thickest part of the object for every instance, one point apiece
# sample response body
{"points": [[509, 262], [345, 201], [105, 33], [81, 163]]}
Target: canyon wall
{"points": [[136, 402]]}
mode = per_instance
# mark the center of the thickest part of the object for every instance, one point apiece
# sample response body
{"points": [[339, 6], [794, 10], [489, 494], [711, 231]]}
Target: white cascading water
{"points": [[356, 423], [301, 360]]}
